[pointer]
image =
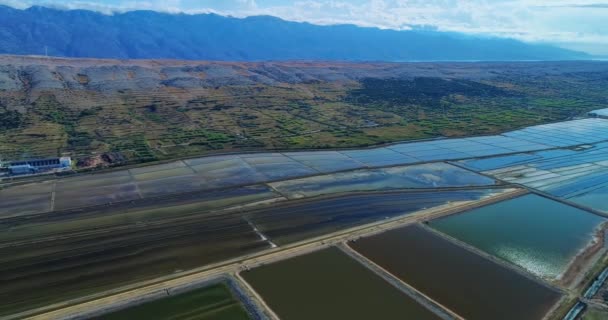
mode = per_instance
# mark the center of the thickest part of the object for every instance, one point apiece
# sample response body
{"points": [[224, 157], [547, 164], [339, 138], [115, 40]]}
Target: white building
{"points": [[36, 165]]}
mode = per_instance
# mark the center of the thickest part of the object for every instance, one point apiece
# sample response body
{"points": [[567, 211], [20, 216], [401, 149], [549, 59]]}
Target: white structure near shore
{"points": [[31, 166]]}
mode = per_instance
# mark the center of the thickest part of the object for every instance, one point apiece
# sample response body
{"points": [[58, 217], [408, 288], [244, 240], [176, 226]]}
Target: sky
{"points": [[574, 24]]}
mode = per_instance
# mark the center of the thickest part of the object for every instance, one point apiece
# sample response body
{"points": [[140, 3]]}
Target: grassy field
{"points": [[215, 302], [135, 125], [593, 314]]}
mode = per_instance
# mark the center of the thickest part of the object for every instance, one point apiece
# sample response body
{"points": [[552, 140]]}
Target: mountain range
{"points": [[155, 35]]}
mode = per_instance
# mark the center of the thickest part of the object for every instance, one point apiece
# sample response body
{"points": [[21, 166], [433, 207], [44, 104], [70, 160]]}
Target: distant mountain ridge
{"points": [[155, 35]]}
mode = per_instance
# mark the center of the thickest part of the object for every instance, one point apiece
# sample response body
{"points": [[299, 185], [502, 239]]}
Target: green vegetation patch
{"points": [[443, 107], [135, 148], [10, 120], [211, 138], [215, 302], [420, 90], [594, 314]]}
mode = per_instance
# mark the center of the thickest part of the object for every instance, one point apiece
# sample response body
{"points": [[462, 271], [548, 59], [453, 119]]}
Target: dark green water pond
{"points": [[533, 232], [330, 285], [462, 281]]}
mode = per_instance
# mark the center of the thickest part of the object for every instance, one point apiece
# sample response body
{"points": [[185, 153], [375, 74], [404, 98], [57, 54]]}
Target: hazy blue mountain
{"points": [[148, 34]]}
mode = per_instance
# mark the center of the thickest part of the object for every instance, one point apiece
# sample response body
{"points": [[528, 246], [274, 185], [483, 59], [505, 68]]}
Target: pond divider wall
{"points": [[596, 284], [580, 306], [419, 297], [573, 314], [253, 309]]}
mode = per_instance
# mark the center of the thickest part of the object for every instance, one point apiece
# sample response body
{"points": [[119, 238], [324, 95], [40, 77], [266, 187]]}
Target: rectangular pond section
{"points": [[460, 280], [74, 255], [233, 170], [97, 253], [330, 285], [538, 234], [214, 302], [580, 174], [297, 221], [433, 175]]}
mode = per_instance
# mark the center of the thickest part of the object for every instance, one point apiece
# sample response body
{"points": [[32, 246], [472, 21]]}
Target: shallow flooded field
{"points": [[35, 273], [128, 214], [598, 199], [330, 285], [23, 200], [48, 258], [242, 169], [215, 302], [533, 232], [70, 237], [434, 175], [580, 174], [293, 222], [464, 282]]}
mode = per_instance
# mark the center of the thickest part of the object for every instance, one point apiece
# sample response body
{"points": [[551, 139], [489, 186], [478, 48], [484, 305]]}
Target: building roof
{"points": [[21, 166], [38, 159]]}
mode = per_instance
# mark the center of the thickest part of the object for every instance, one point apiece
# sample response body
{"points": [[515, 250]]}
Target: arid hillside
{"points": [[119, 111]]}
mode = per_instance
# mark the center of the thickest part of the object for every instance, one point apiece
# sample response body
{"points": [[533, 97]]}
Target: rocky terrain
{"points": [[40, 73], [141, 110]]}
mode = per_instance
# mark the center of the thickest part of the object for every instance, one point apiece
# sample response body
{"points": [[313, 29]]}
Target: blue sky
{"points": [[575, 24]]}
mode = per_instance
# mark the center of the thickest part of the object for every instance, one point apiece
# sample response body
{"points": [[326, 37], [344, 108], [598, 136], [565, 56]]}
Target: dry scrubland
{"points": [[135, 111]]}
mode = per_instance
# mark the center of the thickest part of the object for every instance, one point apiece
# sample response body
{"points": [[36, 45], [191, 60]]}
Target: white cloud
{"points": [[573, 23], [15, 4]]}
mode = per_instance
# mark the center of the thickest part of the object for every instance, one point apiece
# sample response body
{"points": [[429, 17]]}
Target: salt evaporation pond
{"points": [[579, 175], [598, 199], [292, 222], [470, 285], [533, 232], [433, 175], [330, 285]]}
